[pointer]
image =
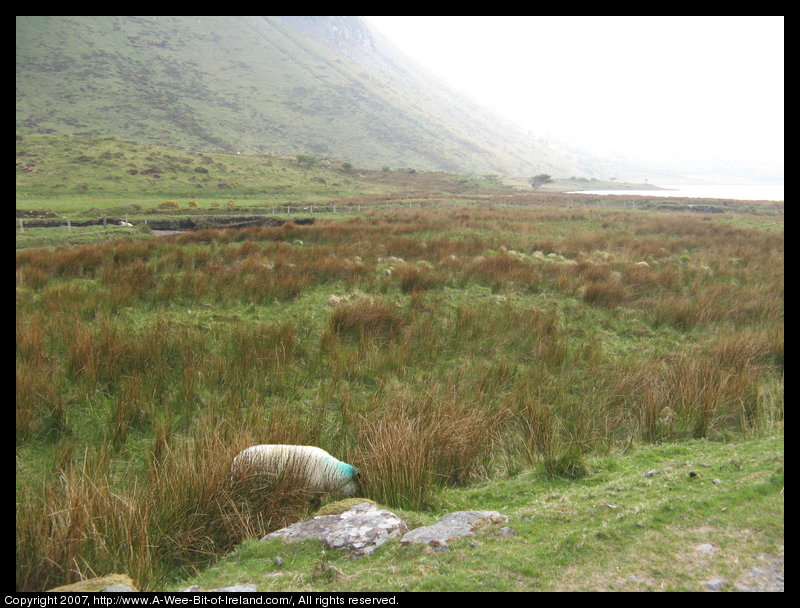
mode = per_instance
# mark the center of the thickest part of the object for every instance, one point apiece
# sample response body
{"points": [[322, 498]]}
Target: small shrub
{"points": [[415, 277], [567, 465], [366, 317], [607, 293]]}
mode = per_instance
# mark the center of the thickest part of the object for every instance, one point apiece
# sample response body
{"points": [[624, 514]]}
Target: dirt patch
{"points": [[767, 576], [35, 213], [181, 223], [167, 232]]}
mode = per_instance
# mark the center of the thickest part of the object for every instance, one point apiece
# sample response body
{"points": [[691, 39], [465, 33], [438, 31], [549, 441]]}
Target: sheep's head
{"points": [[351, 485], [358, 481]]}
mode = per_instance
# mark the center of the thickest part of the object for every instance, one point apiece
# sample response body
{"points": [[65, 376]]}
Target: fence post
{"points": [[21, 225]]}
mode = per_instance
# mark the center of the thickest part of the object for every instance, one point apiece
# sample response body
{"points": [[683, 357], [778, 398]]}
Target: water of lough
{"points": [[748, 192]]}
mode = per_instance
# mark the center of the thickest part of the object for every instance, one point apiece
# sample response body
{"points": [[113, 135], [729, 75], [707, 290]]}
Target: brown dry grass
{"points": [[504, 336]]}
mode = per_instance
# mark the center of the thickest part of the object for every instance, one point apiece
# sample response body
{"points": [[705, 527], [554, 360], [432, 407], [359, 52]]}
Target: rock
{"points": [[110, 582], [452, 526], [767, 577], [248, 588], [716, 584], [340, 506], [360, 529], [704, 548]]}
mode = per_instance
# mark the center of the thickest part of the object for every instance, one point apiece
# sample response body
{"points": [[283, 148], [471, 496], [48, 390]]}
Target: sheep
{"points": [[318, 471]]}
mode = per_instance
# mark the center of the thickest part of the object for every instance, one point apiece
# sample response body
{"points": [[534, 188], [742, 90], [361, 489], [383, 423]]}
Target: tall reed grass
{"points": [[505, 337]]}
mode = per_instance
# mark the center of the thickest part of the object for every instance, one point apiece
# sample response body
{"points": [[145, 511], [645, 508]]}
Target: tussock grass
{"points": [[366, 318], [498, 339]]}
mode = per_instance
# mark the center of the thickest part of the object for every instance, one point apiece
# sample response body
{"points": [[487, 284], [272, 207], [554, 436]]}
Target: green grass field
{"points": [[615, 530], [464, 346]]}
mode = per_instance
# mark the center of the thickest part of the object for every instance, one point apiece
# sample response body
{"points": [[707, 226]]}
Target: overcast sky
{"points": [[704, 88]]}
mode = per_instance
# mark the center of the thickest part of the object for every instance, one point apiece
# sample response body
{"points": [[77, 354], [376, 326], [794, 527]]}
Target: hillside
{"points": [[328, 86]]}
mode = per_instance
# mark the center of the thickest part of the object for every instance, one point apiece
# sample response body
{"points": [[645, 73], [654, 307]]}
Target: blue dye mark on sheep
{"points": [[347, 470]]}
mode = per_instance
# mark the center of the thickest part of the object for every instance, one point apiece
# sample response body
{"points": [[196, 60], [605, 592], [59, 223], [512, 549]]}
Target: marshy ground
{"points": [[456, 354]]}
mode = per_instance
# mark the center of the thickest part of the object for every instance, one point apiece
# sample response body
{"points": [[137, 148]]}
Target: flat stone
{"points": [[110, 582], [247, 588], [716, 584], [452, 526], [359, 530]]}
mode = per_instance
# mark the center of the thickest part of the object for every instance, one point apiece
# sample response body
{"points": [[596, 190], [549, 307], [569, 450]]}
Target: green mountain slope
{"points": [[329, 86]]}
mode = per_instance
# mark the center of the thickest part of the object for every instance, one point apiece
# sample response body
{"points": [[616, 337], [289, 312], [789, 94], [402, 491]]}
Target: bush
{"points": [[567, 465], [607, 293], [366, 317], [415, 277]]}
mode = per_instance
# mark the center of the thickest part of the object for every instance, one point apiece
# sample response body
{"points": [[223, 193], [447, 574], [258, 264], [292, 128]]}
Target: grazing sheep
{"points": [[317, 470]]}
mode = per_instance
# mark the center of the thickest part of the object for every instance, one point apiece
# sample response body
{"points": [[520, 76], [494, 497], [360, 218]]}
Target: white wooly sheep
{"points": [[317, 470], [124, 223]]}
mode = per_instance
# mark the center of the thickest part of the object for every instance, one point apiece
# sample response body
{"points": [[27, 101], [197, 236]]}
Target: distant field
{"points": [[92, 170], [70, 181]]}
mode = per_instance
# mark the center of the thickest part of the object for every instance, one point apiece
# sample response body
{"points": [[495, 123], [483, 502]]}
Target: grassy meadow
{"points": [[434, 348], [632, 524]]}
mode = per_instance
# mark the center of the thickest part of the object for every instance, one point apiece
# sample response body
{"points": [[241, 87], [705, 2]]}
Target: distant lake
{"points": [[749, 192]]}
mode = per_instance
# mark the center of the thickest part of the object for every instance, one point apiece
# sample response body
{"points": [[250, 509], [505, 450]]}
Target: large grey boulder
{"points": [[359, 530], [454, 525]]}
